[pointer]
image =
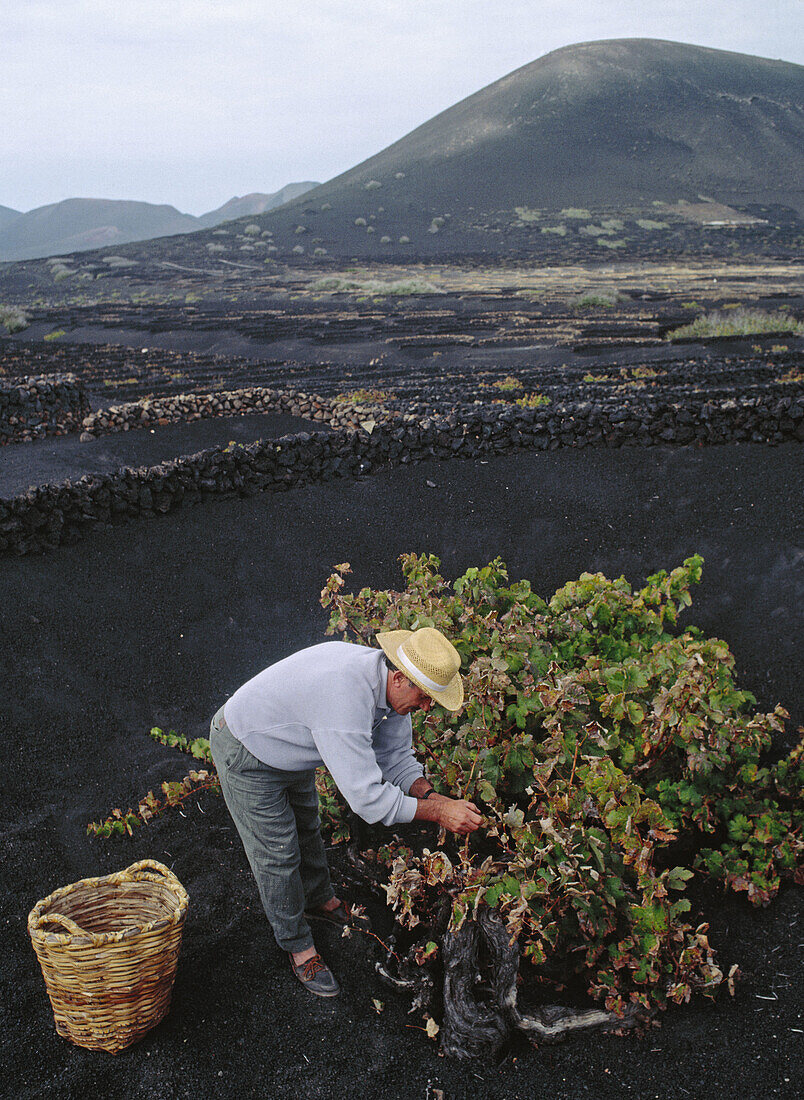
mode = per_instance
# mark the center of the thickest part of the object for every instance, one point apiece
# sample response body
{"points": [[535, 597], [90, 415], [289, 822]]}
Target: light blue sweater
{"points": [[327, 705]]}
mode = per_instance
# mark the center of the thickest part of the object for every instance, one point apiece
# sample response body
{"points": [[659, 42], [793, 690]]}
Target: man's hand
{"points": [[455, 814], [459, 816]]}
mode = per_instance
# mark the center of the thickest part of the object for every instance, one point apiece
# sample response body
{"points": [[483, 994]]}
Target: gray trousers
{"points": [[276, 814]]}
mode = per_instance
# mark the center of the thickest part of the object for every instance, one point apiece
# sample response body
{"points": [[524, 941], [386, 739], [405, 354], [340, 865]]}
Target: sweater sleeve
{"points": [[351, 761], [393, 748]]}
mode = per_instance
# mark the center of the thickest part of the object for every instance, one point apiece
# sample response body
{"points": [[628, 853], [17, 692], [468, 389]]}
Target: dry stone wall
{"points": [[49, 515], [38, 406], [147, 412]]}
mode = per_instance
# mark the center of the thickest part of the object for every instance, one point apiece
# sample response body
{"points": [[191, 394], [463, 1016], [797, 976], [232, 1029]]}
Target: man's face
{"points": [[404, 696]]}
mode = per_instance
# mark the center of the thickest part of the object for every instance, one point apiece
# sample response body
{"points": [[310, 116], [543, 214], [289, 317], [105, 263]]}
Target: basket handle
{"points": [[66, 923], [146, 868]]}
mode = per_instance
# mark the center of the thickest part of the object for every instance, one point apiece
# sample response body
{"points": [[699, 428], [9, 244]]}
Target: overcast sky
{"points": [[192, 101]]}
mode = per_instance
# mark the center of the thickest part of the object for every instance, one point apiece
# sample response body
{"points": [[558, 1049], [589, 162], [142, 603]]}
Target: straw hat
{"points": [[429, 660]]}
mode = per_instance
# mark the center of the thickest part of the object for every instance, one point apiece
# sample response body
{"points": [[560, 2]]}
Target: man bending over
{"points": [[348, 707]]}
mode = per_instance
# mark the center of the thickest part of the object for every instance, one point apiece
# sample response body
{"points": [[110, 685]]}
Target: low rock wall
{"points": [[38, 406], [52, 514], [147, 412]]}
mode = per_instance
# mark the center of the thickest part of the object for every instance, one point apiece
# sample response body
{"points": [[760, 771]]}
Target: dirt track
{"points": [[156, 622]]}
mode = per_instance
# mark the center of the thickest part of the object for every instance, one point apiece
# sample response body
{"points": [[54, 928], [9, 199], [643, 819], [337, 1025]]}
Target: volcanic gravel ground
{"points": [[155, 623], [57, 458]]}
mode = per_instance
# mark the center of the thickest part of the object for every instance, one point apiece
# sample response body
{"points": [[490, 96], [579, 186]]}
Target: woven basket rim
{"points": [[144, 872]]}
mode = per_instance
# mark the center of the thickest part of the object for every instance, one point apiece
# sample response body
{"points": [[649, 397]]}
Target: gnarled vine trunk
{"points": [[474, 1028]]}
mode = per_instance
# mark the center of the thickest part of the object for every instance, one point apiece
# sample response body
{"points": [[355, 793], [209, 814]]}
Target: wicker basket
{"points": [[108, 949]]}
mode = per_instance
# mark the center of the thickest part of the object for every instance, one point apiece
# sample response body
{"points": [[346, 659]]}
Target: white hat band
{"points": [[425, 681]]}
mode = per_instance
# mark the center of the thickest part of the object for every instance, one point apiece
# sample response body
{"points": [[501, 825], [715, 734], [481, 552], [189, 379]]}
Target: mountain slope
{"points": [[7, 215]]}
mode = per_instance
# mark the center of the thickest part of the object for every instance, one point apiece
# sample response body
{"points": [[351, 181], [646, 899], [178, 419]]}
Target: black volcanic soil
{"points": [[57, 458], [156, 622]]}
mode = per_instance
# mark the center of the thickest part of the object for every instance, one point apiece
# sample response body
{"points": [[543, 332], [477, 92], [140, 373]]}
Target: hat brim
{"points": [[451, 698]]}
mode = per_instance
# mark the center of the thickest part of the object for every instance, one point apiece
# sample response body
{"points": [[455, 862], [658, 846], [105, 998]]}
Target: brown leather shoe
{"points": [[341, 916], [316, 976]]}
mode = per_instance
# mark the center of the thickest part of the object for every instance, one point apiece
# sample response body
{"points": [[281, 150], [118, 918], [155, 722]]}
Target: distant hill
{"points": [[76, 225], [602, 125], [7, 215], [256, 203]]}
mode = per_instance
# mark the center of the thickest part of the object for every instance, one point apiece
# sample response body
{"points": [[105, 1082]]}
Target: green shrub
{"points": [[739, 322], [372, 185], [363, 397], [599, 300], [252, 230], [649, 223], [532, 401], [614, 759], [574, 212], [13, 319], [507, 384], [338, 284], [596, 231], [555, 230], [526, 216], [605, 242], [55, 334]]}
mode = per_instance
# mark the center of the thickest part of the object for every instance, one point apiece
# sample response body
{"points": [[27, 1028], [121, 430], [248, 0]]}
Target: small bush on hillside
{"points": [[299, 250], [596, 231], [213, 247], [363, 397], [649, 223], [404, 239], [252, 230], [338, 284], [598, 299], [385, 240], [739, 322], [507, 384], [555, 230], [361, 222], [574, 212], [605, 242], [372, 185], [326, 206], [532, 401], [526, 215], [320, 252], [13, 319], [300, 229], [55, 335], [119, 261]]}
